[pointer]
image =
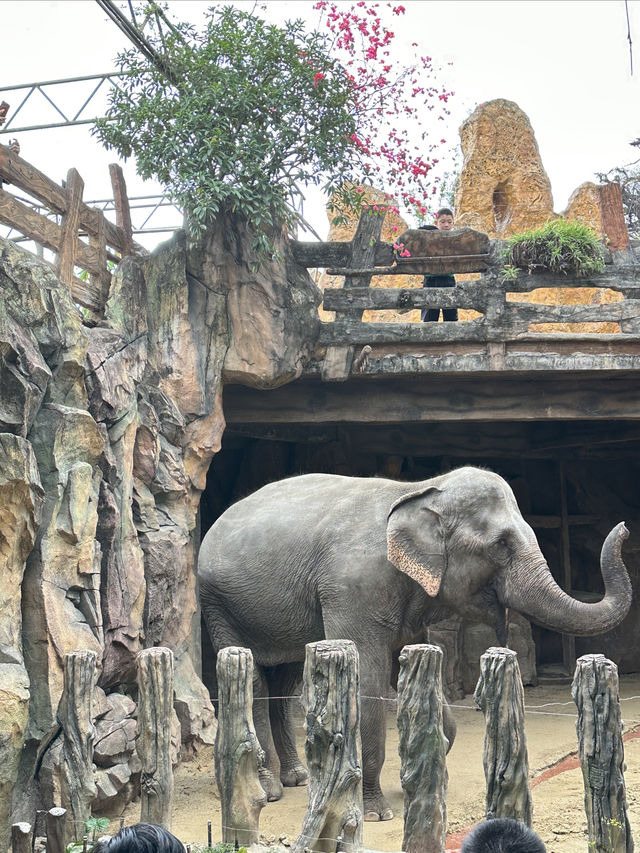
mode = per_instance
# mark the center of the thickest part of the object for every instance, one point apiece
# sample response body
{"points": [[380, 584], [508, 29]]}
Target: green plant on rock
{"points": [[560, 246], [93, 827]]}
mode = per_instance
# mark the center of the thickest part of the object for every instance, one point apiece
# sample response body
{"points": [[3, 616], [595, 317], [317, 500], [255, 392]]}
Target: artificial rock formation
{"points": [[503, 185], [106, 435]]}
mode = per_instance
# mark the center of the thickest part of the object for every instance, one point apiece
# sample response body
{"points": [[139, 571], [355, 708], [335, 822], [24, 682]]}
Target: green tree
{"points": [[256, 112]]}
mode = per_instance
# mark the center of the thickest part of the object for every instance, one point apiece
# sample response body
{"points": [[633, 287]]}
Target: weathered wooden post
{"points": [[55, 824], [77, 783], [239, 756], [155, 708], [500, 696], [331, 700], [599, 728], [423, 748], [21, 838]]}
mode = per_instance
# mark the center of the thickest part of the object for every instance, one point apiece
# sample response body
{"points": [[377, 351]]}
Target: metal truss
{"points": [[43, 89]]}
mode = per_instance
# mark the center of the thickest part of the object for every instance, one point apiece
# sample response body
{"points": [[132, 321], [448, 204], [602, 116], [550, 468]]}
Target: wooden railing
{"points": [[104, 241]]}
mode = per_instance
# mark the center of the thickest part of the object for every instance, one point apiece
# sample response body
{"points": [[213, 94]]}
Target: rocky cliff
{"points": [[106, 434]]}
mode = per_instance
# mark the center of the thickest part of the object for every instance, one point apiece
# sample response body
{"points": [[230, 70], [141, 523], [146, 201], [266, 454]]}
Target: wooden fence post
{"points": [[155, 709], [331, 700], [69, 228], [500, 696], [121, 203], [55, 826], [238, 753], [21, 838], [599, 728], [77, 783], [423, 747]]}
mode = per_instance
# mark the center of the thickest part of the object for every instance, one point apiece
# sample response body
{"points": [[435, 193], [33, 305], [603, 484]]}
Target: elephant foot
{"points": [[270, 785], [295, 776], [377, 808]]}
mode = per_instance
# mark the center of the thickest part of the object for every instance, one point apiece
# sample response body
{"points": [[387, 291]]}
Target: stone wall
{"points": [[106, 435]]}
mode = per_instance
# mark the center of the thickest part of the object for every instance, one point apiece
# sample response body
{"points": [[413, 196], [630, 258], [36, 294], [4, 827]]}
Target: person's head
{"points": [[502, 835], [141, 838], [444, 219]]}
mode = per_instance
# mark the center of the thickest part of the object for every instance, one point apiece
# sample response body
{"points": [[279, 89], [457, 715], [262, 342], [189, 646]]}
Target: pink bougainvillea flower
{"points": [[319, 76]]}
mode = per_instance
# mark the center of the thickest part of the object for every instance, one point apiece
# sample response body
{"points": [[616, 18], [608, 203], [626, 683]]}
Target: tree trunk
{"points": [[21, 838], [155, 709], [239, 756], [422, 747], [77, 783], [55, 822], [506, 766], [599, 728], [332, 707]]}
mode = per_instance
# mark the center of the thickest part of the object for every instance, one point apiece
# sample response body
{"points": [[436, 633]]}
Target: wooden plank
{"points": [[378, 298], [335, 254], [37, 227], [123, 212], [612, 218], [352, 332], [69, 228], [428, 399]]}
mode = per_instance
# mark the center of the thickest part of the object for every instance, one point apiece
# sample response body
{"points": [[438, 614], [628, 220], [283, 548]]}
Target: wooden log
{"points": [[323, 255], [378, 298], [599, 729], [21, 838], [17, 171], [101, 280], [612, 218], [37, 227], [353, 332], [55, 827], [238, 755], [422, 746], [334, 818], [500, 696], [155, 709], [338, 360], [69, 228], [123, 211], [75, 715]]}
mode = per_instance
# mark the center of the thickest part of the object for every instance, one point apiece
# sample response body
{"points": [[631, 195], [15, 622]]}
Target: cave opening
{"points": [[501, 206], [573, 482]]}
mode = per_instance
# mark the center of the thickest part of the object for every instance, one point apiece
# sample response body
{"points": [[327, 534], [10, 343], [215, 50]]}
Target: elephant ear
{"points": [[415, 539]]}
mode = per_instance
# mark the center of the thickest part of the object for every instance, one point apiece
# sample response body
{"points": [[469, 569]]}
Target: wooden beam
{"points": [[15, 170], [37, 227], [428, 399], [69, 228], [378, 298], [354, 332], [123, 212]]}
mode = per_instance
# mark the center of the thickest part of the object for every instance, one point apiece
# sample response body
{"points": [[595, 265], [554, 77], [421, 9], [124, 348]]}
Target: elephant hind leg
{"points": [[284, 683], [270, 772]]}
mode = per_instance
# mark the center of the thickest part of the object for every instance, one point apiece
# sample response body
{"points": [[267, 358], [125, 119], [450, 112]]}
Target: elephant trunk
{"points": [[533, 591]]}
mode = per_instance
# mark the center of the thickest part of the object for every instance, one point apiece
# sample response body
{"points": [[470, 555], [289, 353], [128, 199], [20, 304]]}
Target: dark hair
{"points": [[444, 211], [141, 838], [502, 835]]}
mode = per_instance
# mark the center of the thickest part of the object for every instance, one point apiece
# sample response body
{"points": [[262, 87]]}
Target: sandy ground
{"points": [[558, 801]]}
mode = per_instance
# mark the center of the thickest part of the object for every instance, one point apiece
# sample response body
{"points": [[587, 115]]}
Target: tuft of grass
{"points": [[569, 248]]}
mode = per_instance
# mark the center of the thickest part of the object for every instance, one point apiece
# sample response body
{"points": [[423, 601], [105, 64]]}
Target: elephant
{"points": [[375, 561]]}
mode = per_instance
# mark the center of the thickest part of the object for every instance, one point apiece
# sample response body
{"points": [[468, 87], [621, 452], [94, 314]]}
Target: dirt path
{"points": [[558, 797]]}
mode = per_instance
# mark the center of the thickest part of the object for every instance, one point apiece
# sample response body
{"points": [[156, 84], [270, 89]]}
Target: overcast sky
{"points": [[564, 62]]}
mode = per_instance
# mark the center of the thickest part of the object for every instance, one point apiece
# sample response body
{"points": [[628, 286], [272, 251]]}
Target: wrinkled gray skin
{"points": [[375, 561]]}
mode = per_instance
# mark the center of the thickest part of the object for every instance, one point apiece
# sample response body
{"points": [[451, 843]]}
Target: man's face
{"points": [[444, 222]]}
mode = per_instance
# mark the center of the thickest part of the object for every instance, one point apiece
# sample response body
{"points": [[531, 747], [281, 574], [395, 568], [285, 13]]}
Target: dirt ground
{"points": [[557, 794]]}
